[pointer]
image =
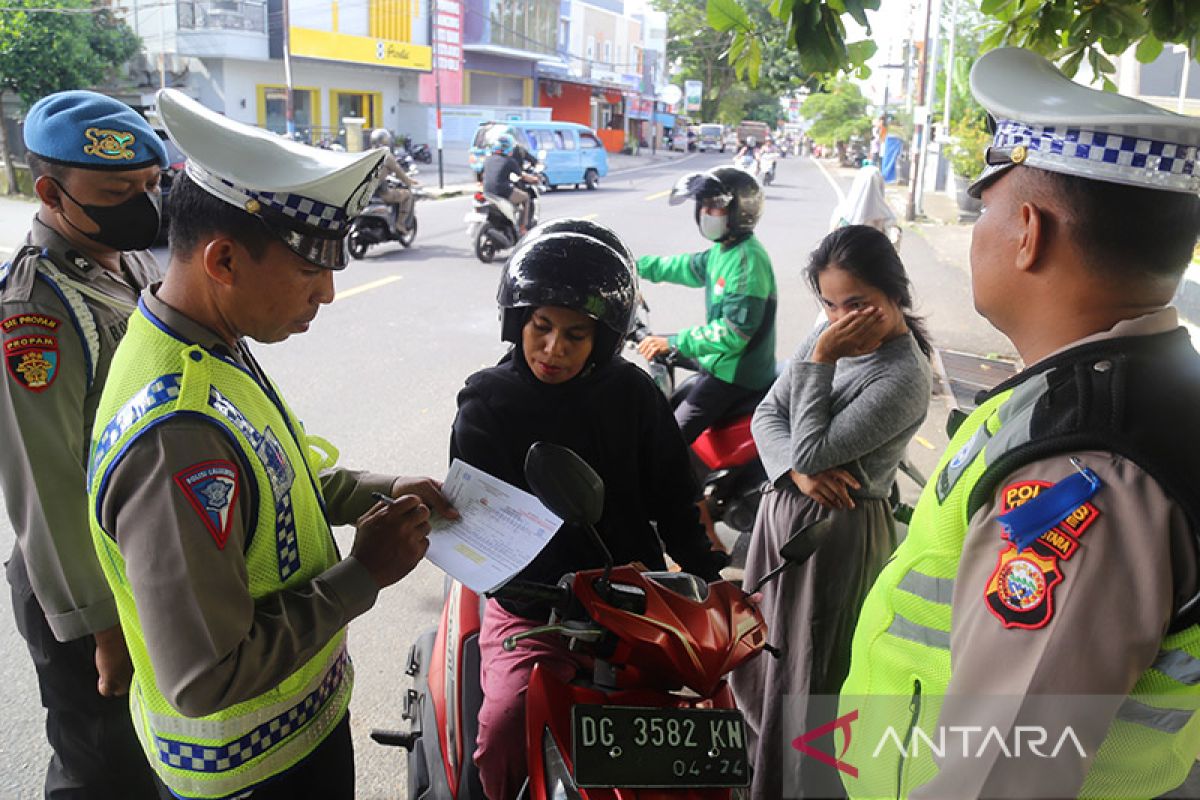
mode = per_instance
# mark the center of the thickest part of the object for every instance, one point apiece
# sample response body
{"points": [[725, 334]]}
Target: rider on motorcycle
{"points": [[748, 150], [736, 346], [398, 198], [566, 299], [498, 170]]}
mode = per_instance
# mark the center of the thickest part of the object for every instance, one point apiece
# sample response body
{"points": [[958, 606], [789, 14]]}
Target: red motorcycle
{"points": [[729, 471], [649, 716]]}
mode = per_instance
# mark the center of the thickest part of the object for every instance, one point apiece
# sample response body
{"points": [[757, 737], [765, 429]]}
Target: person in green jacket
{"points": [[736, 346]]}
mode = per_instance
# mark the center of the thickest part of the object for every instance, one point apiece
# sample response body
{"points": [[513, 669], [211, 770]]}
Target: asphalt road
{"points": [[379, 371]]}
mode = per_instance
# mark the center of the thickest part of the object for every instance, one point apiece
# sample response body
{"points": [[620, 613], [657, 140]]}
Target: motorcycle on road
{"points": [[492, 225], [647, 716], [374, 226]]}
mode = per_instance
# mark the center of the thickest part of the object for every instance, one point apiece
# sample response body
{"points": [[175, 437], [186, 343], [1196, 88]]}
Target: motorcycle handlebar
{"points": [[556, 596]]}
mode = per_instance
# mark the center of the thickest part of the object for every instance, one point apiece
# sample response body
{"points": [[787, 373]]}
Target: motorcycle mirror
{"points": [[565, 483], [798, 549]]}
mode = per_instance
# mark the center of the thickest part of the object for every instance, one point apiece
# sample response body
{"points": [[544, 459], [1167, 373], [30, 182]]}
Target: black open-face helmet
{"points": [[569, 270], [586, 227], [733, 188]]}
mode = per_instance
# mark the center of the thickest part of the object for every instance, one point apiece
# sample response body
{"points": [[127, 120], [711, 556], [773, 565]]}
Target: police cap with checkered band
{"points": [[1045, 120], [305, 195]]}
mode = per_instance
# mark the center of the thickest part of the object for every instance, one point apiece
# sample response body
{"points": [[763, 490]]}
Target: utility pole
{"points": [[436, 49], [920, 122], [288, 107]]}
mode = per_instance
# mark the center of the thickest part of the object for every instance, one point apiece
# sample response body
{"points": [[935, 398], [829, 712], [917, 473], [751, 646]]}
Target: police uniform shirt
{"points": [[1135, 562], [211, 643], [53, 378]]}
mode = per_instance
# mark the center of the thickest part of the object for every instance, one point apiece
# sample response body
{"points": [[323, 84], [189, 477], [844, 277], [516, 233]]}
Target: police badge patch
{"points": [[32, 360], [211, 487]]}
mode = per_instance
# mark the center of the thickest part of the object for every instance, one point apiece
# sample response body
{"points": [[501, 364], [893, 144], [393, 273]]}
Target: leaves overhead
{"points": [[43, 52], [1066, 31]]}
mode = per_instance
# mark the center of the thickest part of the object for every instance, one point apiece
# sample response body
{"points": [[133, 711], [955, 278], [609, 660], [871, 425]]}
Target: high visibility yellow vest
{"points": [[901, 648], [154, 375]]}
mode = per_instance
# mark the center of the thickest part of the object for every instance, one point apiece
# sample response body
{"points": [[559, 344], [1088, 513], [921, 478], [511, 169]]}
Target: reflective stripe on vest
{"points": [[1166, 720], [927, 587], [921, 634]]}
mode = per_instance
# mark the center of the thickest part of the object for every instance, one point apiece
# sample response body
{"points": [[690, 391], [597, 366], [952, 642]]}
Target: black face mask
{"points": [[132, 225]]}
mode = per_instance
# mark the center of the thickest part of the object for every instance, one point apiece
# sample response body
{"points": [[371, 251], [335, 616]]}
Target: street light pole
{"points": [[288, 108], [920, 124]]}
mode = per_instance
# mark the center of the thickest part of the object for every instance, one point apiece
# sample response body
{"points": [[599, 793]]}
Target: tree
{"points": [[700, 51], [1065, 31], [65, 44], [837, 114]]}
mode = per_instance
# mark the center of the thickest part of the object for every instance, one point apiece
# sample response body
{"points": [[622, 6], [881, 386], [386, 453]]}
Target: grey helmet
{"points": [[735, 189], [381, 137]]}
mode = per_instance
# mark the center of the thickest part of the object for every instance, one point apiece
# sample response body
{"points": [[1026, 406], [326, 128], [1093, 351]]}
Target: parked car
{"points": [[712, 137], [679, 139], [572, 153], [175, 161]]}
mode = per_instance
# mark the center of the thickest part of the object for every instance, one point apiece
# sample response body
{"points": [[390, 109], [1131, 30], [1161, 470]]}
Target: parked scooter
{"points": [[492, 221], [374, 226], [648, 716]]}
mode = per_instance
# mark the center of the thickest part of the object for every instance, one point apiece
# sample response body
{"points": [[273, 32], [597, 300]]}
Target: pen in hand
{"points": [[383, 498]]}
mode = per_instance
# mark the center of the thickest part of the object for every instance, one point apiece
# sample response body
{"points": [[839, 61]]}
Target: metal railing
{"points": [[225, 15]]}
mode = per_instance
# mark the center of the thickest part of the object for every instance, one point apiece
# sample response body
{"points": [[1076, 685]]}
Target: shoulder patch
{"points": [[32, 360], [1020, 591], [29, 320], [212, 489], [1063, 539]]}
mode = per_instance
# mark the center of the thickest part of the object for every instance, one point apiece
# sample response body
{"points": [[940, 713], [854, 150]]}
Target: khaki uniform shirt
{"points": [[1136, 562], [47, 405], [212, 644]]}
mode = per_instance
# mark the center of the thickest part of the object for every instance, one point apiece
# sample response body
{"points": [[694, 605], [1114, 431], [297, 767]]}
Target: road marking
{"points": [[657, 195], [366, 287], [837, 189], [921, 440]]}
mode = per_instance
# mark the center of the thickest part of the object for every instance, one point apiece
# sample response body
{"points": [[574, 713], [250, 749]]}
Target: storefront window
{"points": [[272, 109], [525, 24]]}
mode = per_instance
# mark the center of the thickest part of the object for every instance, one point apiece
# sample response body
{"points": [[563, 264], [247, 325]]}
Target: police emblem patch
{"points": [[211, 487], [32, 360], [109, 144], [1020, 592]]}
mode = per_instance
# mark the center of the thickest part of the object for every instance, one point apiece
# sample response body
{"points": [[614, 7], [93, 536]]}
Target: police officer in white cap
{"points": [[211, 505], [1043, 607]]}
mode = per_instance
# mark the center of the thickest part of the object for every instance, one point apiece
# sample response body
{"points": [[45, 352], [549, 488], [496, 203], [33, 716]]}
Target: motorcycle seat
{"points": [[506, 207]]}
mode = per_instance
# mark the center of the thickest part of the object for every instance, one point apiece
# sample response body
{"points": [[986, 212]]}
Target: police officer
{"points": [[1047, 588], [400, 198], [64, 301], [211, 505]]}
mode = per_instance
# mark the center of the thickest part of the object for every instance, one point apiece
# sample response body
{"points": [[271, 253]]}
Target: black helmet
{"points": [[740, 192], [569, 270], [585, 227]]}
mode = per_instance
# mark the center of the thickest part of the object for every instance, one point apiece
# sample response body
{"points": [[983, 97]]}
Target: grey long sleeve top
{"points": [[858, 414]]}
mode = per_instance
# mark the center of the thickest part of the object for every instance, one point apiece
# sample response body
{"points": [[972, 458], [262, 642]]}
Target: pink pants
{"points": [[500, 746]]}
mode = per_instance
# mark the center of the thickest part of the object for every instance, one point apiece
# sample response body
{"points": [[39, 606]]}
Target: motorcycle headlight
{"points": [[560, 784]]}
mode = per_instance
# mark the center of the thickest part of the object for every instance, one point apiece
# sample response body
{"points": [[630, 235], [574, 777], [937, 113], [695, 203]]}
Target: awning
{"points": [[666, 120]]}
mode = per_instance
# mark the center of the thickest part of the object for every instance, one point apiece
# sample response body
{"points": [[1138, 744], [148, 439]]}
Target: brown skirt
{"points": [[811, 611]]}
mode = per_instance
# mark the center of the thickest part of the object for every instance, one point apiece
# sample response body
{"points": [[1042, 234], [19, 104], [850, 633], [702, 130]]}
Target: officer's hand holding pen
{"points": [[392, 537]]}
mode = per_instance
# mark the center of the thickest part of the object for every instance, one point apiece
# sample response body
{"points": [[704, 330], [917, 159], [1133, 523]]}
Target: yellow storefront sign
{"points": [[309, 43]]}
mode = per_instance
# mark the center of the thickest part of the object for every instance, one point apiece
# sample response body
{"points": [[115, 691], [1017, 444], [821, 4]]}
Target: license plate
{"points": [[473, 217], [651, 748]]}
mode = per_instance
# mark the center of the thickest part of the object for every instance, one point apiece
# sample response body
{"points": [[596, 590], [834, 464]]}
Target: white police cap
{"points": [[1045, 120], [307, 196]]}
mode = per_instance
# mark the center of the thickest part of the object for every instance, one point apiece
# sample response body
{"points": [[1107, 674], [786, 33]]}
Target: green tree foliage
{"points": [[1066, 31], [837, 114], [56, 49], [702, 52]]}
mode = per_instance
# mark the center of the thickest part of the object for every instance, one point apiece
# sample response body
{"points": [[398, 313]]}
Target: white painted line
{"points": [[841, 196], [366, 287]]}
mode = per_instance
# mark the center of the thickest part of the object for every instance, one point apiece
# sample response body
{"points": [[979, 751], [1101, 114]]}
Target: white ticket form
{"points": [[501, 530]]}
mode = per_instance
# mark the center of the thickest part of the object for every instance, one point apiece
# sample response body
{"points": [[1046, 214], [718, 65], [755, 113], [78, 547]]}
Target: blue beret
{"points": [[85, 129]]}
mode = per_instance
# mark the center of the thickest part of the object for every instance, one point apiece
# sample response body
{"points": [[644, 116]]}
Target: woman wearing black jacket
{"points": [[566, 299]]}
